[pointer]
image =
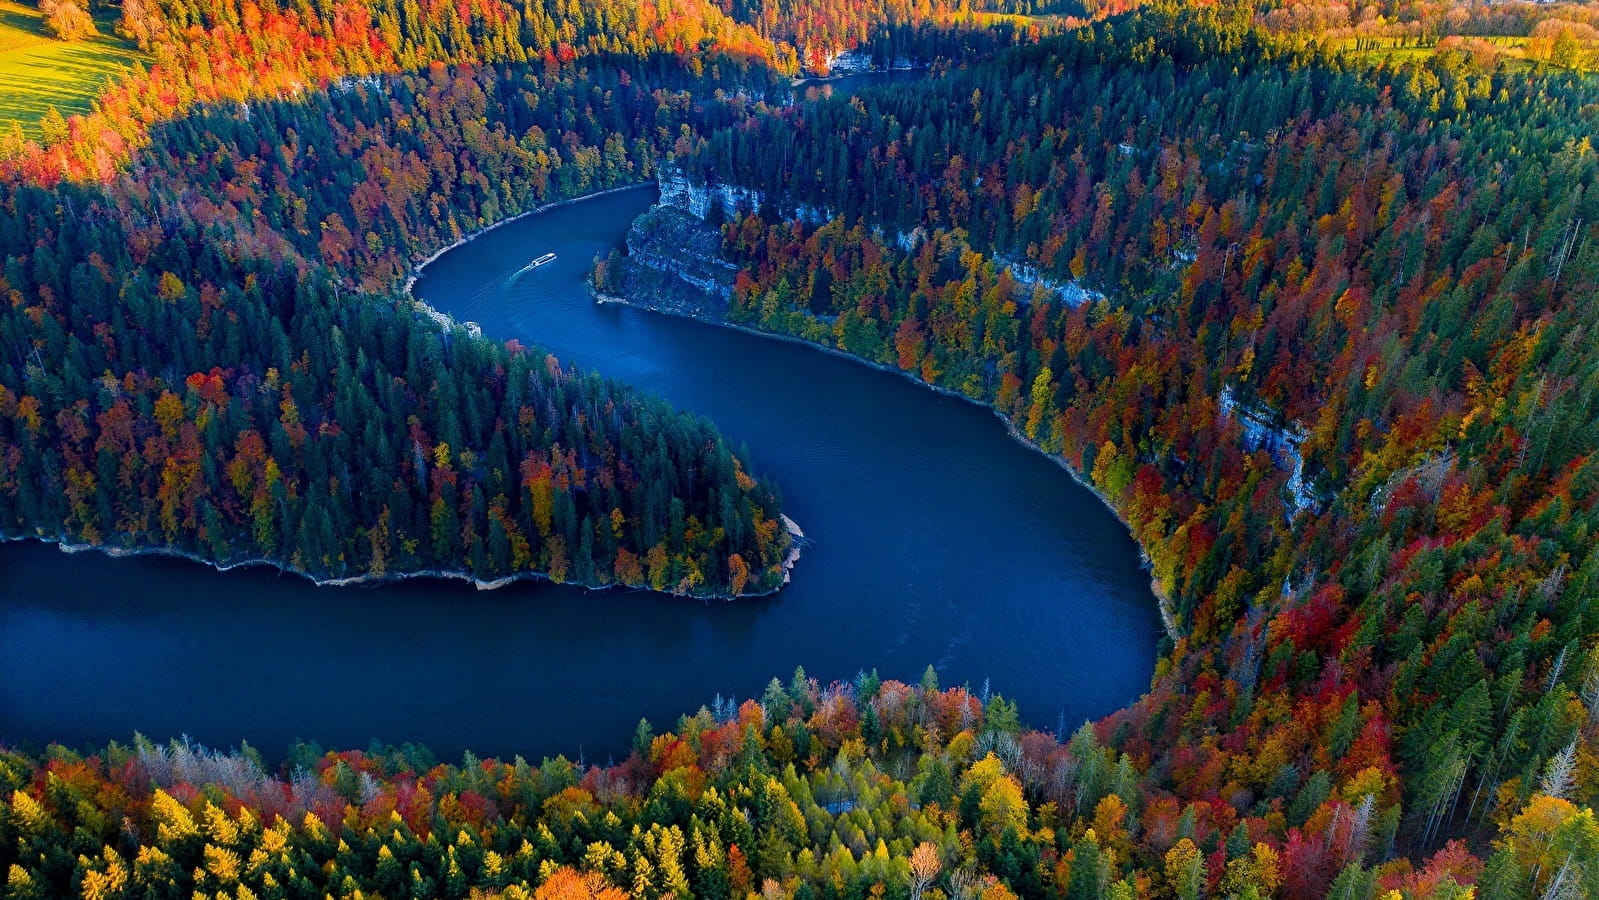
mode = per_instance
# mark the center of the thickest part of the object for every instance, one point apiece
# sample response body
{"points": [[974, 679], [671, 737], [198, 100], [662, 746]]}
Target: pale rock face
{"points": [[1070, 292], [858, 62], [696, 199], [350, 82], [681, 193], [1281, 441], [850, 62], [908, 241], [445, 321], [813, 215]]}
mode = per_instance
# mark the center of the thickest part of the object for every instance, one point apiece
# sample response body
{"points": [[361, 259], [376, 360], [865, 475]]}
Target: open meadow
{"points": [[37, 71]]}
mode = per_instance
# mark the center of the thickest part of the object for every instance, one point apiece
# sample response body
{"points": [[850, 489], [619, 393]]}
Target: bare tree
{"points": [[1557, 778], [1556, 670], [1564, 886], [963, 884]]}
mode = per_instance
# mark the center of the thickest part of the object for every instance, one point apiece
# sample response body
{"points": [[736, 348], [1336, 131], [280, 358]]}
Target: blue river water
{"points": [[937, 540]]}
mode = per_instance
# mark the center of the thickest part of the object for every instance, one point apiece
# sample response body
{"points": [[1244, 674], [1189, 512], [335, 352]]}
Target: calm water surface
{"points": [[937, 540]]}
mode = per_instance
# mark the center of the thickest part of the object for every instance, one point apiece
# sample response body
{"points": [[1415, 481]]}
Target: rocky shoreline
{"points": [[115, 552], [66, 546], [851, 63], [674, 260]]}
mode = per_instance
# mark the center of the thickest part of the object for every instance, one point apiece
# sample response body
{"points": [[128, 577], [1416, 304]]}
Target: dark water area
{"points": [[844, 85], [938, 539]]}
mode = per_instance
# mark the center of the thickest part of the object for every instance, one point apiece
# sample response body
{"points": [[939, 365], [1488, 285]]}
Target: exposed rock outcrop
{"points": [[1262, 431], [679, 192], [673, 264], [1070, 292]]}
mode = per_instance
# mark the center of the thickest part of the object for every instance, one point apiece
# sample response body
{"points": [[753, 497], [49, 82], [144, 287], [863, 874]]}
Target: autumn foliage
{"points": [[1319, 332]]}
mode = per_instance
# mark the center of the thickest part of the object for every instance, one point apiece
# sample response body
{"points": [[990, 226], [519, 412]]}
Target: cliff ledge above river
{"points": [[673, 265]]}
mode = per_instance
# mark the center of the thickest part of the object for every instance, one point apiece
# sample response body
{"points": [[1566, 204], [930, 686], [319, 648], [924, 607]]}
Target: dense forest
{"points": [[870, 789], [243, 50], [1319, 329], [194, 366], [1321, 332]]}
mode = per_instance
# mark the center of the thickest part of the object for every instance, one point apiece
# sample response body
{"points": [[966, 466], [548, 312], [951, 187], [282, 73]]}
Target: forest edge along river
{"points": [[936, 539]]}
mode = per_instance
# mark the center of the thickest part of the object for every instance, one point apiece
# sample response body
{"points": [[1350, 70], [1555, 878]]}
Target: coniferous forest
{"points": [[1318, 324]]}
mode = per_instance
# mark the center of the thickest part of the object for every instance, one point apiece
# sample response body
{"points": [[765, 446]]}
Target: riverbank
{"points": [[447, 321], [809, 80], [416, 270], [794, 531], [369, 579], [261, 562], [1162, 598], [885, 480], [797, 535]]}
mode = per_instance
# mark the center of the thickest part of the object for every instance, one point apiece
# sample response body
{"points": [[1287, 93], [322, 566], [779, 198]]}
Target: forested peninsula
{"points": [[1319, 325], [213, 369]]}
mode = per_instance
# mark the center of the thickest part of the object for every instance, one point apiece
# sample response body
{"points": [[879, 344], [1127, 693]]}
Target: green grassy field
{"points": [[1511, 49], [37, 71]]}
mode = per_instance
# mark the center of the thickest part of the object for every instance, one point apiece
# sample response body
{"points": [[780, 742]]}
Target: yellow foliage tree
{"points": [[1555, 843], [1002, 804], [67, 20], [1185, 869], [173, 822], [738, 573], [28, 813]]}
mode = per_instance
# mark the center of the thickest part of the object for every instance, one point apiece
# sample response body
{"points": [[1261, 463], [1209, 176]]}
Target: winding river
{"points": [[938, 540]]}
